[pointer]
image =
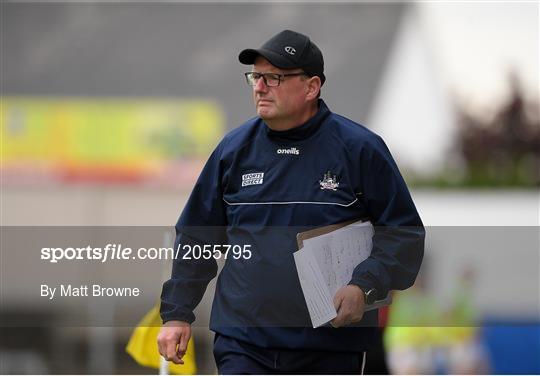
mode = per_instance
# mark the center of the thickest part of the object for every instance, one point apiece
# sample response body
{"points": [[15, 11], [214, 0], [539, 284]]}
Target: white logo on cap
{"points": [[290, 50]]}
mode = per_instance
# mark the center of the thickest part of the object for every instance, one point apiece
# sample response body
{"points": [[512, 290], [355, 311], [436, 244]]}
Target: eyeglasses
{"points": [[270, 79]]}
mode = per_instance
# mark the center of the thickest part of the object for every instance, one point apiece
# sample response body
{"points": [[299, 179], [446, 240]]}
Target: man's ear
{"points": [[314, 86]]}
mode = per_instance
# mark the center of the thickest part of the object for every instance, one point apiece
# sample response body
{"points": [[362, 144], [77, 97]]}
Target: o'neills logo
{"points": [[294, 151]]}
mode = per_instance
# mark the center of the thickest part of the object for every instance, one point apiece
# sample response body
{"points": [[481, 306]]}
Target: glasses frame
{"points": [[281, 77]]}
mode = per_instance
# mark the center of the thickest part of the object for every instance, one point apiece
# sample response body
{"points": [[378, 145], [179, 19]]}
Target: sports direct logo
{"points": [[252, 179], [294, 151]]}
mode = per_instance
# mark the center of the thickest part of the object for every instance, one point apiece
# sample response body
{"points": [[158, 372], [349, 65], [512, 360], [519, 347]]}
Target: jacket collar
{"points": [[302, 131]]}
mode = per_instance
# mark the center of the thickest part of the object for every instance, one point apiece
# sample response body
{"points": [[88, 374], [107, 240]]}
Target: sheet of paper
{"points": [[326, 263], [339, 252], [318, 299]]}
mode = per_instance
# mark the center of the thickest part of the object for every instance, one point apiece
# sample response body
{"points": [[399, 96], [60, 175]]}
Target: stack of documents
{"points": [[325, 263]]}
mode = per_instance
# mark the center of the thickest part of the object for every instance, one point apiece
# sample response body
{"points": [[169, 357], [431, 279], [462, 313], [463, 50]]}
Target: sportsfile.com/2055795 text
{"points": [[118, 252]]}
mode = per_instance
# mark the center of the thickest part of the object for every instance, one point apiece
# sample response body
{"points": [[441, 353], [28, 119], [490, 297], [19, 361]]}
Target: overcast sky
{"points": [[446, 53], [490, 39]]}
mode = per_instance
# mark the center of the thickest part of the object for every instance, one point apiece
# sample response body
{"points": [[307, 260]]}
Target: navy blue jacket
{"points": [[261, 187]]}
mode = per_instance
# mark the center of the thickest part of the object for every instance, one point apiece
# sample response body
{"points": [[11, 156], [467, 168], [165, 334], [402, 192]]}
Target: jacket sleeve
{"points": [[398, 241], [202, 222]]}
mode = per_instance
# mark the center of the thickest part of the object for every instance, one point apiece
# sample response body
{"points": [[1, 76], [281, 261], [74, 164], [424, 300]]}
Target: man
{"points": [[294, 166]]}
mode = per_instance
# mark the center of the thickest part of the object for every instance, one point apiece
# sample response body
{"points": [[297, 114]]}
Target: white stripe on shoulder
{"points": [[290, 203]]}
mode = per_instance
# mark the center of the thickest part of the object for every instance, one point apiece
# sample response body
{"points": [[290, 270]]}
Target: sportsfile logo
{"points": [[252, 179], [294, 151]]}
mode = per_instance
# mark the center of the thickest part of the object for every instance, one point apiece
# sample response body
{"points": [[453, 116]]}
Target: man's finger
{"points": [[162, 345], [171, 354], [175, 359], [161, 348], [340, 320], [335, 323], [184, 339], [338, 299], [352, 312]]}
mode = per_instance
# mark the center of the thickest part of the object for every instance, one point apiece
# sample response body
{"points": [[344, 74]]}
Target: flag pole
{"points": [[167, 241]]}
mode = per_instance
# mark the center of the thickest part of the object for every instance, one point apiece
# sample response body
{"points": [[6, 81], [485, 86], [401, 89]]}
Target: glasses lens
{"points": [[272, 79], [251, 79]]}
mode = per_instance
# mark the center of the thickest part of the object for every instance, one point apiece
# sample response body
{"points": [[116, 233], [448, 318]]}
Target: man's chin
{"points": [[265, 115]]}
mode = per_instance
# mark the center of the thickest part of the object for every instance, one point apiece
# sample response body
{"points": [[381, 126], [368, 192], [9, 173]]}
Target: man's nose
{"points": [[260, 86]]}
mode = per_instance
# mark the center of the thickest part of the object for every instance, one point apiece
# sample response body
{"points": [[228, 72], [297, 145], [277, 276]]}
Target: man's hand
{"points": [[173, 339], [349, 302]]}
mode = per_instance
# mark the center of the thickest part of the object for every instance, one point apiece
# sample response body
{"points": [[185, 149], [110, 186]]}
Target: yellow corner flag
{"points": [[142, 346]]}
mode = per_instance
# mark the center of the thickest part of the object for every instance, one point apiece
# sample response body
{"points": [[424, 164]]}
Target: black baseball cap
{"points": [[289, 49]]}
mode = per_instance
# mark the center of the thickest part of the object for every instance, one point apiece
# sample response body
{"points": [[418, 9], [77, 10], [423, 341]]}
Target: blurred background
{"points": [[109, 111]]}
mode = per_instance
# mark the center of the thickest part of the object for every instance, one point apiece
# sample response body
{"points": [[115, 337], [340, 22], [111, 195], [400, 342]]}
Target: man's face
{"points": [[286, 101]]}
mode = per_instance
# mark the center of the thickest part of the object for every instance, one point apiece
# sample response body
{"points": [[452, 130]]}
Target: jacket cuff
{"points": [[170, 315], [366, 283]]}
